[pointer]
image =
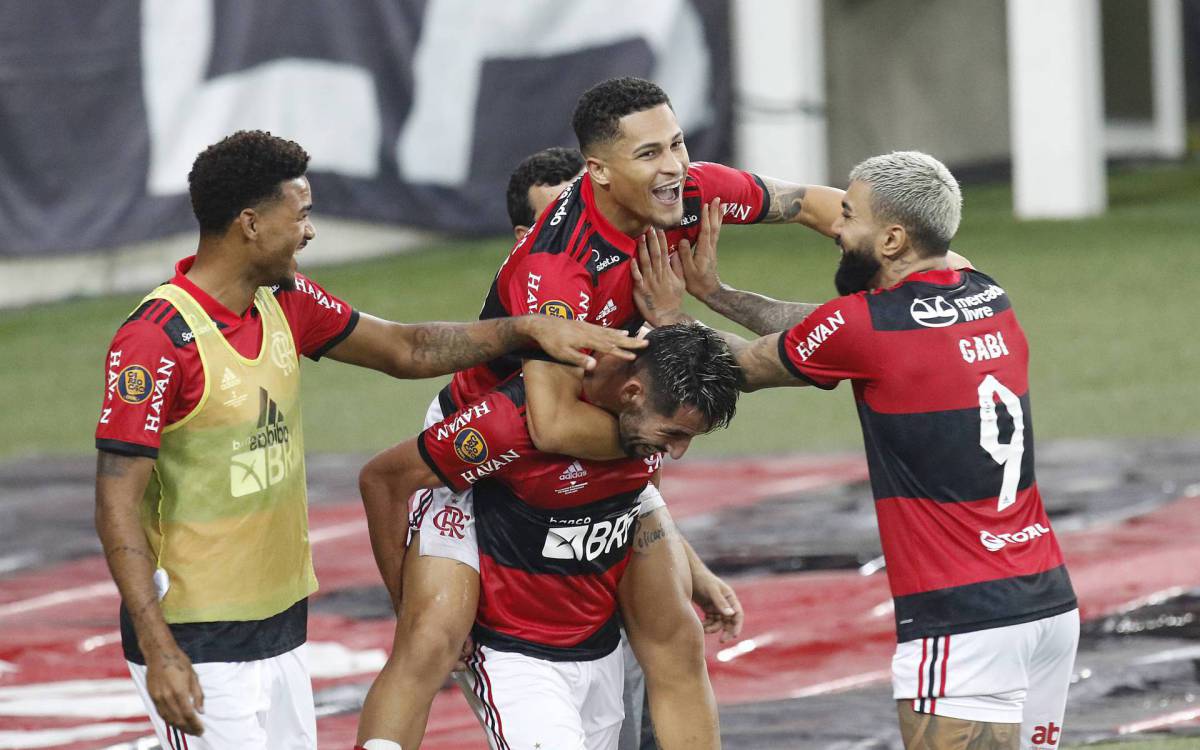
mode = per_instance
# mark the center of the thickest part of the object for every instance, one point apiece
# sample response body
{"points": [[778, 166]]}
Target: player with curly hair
{"points": [[200, 485]]}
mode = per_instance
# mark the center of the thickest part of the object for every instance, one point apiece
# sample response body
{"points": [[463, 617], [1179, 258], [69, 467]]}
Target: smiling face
{"points": [[281, 229], [641, 171], [858, 234], [643, 431]]}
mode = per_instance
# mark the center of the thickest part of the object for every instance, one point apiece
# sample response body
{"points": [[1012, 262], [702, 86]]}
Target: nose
{"points": [[309, 231], [672, 164], [837, 227], [676, 448]]}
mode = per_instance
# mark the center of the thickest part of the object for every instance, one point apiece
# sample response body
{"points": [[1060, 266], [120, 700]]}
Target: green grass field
{"points": [[1109, 304]]}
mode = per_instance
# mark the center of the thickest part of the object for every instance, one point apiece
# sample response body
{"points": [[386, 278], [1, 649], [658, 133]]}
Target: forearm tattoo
{"points": [[759, 313], [787, 200], [448, 347]]}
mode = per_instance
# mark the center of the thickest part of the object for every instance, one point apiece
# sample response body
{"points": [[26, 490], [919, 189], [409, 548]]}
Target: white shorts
{"points": [[1008, 675], [525, 703], [248, 705], [447, 520]]}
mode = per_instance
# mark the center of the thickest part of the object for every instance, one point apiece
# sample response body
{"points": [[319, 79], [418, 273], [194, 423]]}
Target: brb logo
{"points": [[451, 521], [933, 312], [1046, 736], [266, 456], [585, 542]]}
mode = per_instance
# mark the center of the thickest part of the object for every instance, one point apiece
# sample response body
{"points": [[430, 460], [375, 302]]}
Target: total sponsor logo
{"points": [[266, 456], [154, 415], [464, 418], [819, 335], [983, 348], [603, 264], [585, 541], [996, 542], [312, 290], [472, 476], [933, 312]]}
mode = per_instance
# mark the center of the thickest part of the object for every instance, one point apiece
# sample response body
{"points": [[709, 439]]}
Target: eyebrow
{"points": [[678, 136]]}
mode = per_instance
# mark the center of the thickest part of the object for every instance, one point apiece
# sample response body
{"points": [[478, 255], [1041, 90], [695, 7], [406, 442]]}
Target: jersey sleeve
{"points": [[142, 382], [832, 344], [319, 321], [743, 195], [487, 438]]}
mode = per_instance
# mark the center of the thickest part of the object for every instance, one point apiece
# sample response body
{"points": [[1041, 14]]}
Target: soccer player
{"points": [[536, 182], [555, 538], [574, 263], [986, 618], [200, 491]]}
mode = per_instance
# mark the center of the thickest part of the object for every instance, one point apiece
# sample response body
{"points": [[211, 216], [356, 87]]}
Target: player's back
{"points": [[947, 424]]}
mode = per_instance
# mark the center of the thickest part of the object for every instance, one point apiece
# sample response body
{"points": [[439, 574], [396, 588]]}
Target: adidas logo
{"points": [[229, 380], [608, 309], [574, 471]]}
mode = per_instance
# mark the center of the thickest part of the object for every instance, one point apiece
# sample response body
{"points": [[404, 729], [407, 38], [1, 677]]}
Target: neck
{"points": [[906, 265], [621, 219], [221, 277]]}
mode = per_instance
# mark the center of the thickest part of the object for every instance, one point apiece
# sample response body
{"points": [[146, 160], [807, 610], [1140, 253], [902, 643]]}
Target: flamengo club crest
{"points": [[933, 312], [451, 521]]}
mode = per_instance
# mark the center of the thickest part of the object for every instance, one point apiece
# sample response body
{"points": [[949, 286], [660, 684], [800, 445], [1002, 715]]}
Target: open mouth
{"points": [[668, 194]]}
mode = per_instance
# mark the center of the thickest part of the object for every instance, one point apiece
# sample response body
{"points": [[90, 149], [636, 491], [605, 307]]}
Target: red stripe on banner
{"points": [[945, 661]]}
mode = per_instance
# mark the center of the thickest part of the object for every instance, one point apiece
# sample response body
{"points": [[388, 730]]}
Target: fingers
{"points": [[197, 693]]}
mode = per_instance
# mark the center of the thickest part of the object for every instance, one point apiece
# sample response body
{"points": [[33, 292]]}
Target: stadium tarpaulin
{"points": [[414, 111]]}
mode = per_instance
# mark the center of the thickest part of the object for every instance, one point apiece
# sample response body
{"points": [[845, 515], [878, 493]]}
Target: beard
{"points": [[855, 271], [627, 435], [286, 283]]}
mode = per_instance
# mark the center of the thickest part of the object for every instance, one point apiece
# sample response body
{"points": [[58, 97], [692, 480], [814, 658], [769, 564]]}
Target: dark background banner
{"points": [[414, 111]]}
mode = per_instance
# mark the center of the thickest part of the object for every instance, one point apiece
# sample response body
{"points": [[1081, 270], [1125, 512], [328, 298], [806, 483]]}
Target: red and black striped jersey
{"points": [[574, 263], [554, 532], [940, 371], [155, 339]]}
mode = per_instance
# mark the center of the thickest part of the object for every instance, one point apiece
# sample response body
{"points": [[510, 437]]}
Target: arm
{"points": [[559, 422], [170, 679], [386, 483], [722, 610], [424, 350], [815, 206]]}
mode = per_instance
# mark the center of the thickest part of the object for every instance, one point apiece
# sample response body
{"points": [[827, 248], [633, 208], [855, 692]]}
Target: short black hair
{"points": [[602, 106], [689, 364], [241, 171], [549, 166]]}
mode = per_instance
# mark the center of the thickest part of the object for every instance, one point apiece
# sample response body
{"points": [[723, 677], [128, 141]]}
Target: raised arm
{"points": [[559, 422], [170, 679], [815, 206], [386, 483], [424, 350]]}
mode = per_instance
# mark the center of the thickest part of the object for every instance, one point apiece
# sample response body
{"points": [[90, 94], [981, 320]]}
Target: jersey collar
{"points": [[937, 277], [616, 238], [215, 310]]}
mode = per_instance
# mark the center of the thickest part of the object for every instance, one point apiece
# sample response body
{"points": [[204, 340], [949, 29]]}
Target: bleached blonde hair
{"points": [[917, 191]]}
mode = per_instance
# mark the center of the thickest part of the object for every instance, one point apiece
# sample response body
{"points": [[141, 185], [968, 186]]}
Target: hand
{"points": [[657, 281], [563, 339], [700, 264], [722, 610], [175, 690]]}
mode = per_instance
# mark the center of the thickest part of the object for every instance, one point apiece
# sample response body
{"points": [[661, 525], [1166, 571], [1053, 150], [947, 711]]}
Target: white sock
{"points": [[381, 745]]}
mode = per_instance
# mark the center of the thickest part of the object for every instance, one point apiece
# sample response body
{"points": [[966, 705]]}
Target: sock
{"points": [[380, 745]]}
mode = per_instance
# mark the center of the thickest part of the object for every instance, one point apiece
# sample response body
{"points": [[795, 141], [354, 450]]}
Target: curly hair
{"points": [[689, 364], [241, 171], [597, 115], [549, 166]]}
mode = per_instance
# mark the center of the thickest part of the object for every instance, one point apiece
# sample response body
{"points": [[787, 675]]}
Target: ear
{"points": [[247, 222], [519, 232], [632, 392], [597, 170], [895, 241]]}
